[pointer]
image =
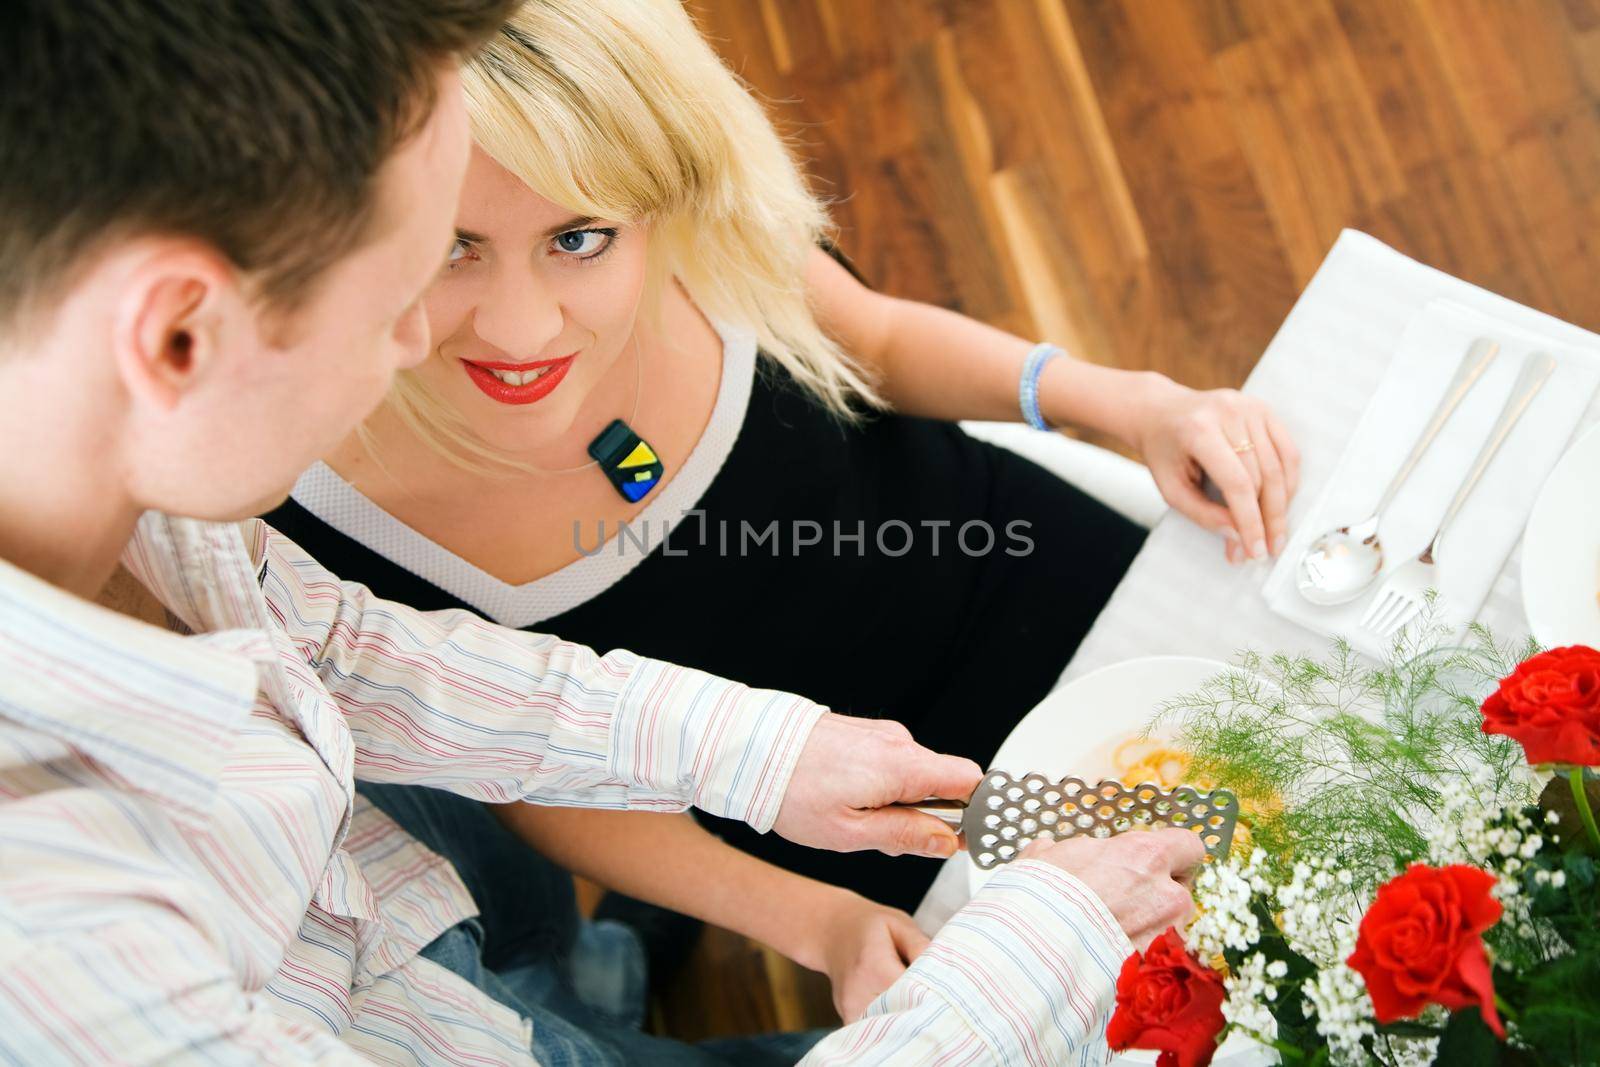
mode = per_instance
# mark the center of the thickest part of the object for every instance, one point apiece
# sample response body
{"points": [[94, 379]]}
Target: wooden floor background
{"points": [[1152, 182]]}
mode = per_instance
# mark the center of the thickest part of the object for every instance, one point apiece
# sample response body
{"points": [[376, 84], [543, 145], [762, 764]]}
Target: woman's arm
{"points": [[671, 861], [942, 365], [936, 363]]}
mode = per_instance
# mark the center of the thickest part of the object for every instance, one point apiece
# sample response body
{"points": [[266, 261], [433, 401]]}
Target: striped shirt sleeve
{"points": [[1024, 975], [449, 700]]}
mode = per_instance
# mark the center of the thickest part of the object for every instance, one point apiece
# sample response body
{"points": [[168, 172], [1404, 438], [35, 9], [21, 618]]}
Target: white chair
{"points": [[1116, 481]]}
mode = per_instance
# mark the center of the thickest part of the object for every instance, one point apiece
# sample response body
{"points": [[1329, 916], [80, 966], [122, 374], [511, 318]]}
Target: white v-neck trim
{"points": [[339, 504]]}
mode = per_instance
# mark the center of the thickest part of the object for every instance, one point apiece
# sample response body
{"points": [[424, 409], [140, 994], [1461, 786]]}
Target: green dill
{"points": [[1344, 756]]}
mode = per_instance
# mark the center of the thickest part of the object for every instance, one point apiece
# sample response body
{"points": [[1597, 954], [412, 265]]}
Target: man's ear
{"points": [[170, 323]]}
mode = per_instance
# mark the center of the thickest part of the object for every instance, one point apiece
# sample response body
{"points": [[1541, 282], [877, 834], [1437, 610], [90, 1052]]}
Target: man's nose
{"points": [[415, 336]]}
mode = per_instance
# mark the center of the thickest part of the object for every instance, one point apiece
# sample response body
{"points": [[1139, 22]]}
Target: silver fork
{"points": [[1405, 591]]}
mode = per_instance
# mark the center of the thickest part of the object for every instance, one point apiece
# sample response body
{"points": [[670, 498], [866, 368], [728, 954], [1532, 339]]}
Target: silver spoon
{"points": [[1342, 563]]}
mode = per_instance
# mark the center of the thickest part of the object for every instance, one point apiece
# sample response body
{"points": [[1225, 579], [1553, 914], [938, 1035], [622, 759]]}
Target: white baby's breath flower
{"points": [[1250, 995], [1310, 909], [1338, 997], [1411, 1052]]}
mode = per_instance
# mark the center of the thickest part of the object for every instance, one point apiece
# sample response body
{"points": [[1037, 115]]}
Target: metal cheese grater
{"points": [[1006, 813]]}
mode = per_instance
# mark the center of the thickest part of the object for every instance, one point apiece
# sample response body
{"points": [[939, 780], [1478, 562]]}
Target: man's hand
{"points": [[1140, 876], [851, 769]]}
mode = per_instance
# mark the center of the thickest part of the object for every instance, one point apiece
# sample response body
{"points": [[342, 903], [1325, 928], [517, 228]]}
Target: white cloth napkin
{"points": [[1474, 549]]}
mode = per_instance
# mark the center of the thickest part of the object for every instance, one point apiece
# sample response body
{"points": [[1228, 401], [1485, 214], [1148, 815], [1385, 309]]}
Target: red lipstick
{"points": [[527, 393]]}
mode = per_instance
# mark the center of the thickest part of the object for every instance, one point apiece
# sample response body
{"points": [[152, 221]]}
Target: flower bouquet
{"points": [[1418, 883]]}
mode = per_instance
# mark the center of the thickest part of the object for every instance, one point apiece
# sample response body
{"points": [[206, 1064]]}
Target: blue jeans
{"points": [[582, 984]]}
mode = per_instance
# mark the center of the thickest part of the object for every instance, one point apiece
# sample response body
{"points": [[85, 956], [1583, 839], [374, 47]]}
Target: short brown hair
{"points": [[257, 126]]}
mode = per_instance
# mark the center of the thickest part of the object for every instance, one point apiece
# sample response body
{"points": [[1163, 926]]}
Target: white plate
{"points": [[1080, 720], [1561, 550]]}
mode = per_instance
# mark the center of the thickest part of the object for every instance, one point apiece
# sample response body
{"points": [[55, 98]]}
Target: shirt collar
{"points": [[154, 709]]}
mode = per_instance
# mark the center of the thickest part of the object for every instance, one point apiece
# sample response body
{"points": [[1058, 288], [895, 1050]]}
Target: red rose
{"points": [[1421, 943], [1167, 1001], [1551, 705]]}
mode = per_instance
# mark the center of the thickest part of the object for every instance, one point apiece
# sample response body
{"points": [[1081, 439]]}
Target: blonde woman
{"points": [[657, 416]]}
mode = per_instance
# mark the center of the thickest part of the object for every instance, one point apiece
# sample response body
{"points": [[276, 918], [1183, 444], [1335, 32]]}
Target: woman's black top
{"points": [[896, 568]]}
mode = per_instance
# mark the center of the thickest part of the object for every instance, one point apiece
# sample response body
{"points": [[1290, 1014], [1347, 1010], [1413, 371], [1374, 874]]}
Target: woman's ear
{"points": [[167, 333]]}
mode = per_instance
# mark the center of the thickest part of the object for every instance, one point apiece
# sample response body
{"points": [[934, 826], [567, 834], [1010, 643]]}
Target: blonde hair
{"points": [[620, 109]]}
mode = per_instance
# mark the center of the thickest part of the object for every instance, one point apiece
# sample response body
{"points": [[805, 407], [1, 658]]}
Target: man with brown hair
{"points": [[219, 216]]}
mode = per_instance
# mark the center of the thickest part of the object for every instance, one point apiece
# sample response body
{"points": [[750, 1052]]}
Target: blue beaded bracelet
{"points": [[1028, 388]]}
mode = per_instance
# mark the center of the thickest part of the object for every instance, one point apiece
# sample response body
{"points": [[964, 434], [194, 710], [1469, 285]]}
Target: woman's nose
{"points": [[520, 319]]}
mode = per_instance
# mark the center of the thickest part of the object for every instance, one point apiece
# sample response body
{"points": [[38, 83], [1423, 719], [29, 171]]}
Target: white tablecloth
{"points": [[1180, 596]]}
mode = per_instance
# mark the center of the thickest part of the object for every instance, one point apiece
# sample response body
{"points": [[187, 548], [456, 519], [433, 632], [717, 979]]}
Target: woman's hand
{"points": [[1186, 435], [863, 948]]}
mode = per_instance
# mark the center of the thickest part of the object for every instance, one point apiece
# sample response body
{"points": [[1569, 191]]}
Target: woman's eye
{"points": [[459, 251], [583, 243]]}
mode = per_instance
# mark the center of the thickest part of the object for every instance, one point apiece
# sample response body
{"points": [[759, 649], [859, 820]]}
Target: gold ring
{"points": [[1247, 446]]}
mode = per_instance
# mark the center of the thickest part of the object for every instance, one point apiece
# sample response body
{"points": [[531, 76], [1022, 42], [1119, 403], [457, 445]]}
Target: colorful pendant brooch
{"points": [[628, 460]]}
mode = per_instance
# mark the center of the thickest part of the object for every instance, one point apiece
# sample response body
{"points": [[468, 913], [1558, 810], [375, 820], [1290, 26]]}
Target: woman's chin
{"points": [[529, 433]]}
